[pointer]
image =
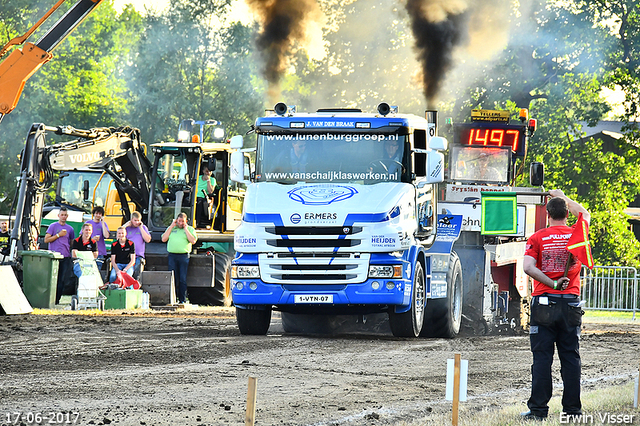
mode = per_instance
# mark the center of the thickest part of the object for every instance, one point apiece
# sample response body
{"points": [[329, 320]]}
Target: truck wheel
{"points": [[443, 316], [409, 324], [253, 321], [220, 293]]}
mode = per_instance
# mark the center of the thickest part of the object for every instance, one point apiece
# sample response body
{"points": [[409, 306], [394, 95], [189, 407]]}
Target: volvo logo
{"points": [[346, 230]]}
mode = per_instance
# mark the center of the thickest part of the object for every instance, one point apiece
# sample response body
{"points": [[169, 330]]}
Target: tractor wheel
{"points": [[220, 293]]}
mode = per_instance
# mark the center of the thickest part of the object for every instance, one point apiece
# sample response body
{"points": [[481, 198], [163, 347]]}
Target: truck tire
{"points": [[409, 324], [443, 316], [253, 321], [220, 293]]}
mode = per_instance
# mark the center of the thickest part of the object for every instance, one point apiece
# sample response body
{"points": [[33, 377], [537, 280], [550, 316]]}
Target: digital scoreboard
{"points": [[492, 135]]}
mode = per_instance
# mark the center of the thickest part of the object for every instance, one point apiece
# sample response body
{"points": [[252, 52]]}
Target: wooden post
{"points": [[250, 416], [456, 389]]}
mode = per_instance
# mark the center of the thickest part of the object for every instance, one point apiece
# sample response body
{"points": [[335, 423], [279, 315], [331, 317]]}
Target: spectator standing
{"points": [[179, 237], [59, 237], [556, 315], [138, 234], [99, 234], [4, 239]]}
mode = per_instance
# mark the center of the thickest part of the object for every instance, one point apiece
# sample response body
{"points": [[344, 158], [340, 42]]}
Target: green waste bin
{"points": [[40, 277]]}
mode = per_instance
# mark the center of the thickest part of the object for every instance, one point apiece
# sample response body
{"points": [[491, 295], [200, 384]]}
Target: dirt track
{"points": [[191, 368]]}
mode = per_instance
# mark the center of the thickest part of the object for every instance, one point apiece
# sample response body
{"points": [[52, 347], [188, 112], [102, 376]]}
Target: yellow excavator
{"points": [[24, 61]]}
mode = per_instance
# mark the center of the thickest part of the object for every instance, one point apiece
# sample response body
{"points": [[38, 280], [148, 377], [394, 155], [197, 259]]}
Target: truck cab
{"points": [[338, 216], [486, 156]]}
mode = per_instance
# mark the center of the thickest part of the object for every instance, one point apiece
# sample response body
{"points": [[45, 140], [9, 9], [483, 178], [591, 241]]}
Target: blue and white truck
{"points": [[352, 213], [340, 217]]}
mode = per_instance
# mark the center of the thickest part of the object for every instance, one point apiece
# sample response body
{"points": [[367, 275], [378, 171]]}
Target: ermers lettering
{"points": [[321, 216]]}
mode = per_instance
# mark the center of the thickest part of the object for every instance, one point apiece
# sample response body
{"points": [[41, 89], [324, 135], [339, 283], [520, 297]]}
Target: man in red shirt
{"points": [[556, 316]]}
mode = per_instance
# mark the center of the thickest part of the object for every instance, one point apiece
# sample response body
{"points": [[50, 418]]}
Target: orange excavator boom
{"points": [[23, 62]]}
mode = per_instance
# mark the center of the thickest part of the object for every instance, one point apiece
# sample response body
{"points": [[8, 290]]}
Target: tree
{"points": [[188, 65], [365, 63], [553, 65], [81, 86]]}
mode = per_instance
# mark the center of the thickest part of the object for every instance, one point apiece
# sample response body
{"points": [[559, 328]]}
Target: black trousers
{"points": [[557, 323], [65, 268]]}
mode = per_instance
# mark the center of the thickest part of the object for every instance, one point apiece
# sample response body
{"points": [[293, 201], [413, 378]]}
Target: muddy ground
{"points": [[191, 367]]}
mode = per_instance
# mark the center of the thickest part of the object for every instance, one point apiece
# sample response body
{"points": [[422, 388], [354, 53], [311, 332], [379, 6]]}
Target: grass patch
{"points": [[613, 400], [613, 316]]}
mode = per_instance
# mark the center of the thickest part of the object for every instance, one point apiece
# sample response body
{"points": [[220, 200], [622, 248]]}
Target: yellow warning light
{"points": [[524, 114]]}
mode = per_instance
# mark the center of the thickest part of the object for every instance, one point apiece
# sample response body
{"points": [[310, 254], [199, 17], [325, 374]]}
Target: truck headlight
{"points": [[244, 271], [385, 271]]}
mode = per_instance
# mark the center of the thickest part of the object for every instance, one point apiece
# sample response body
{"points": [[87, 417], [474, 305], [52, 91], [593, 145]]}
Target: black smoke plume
{"points": [[283, 25], [438, 27]]}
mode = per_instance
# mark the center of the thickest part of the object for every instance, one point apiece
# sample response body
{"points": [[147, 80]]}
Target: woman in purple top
{"points": [[138, 233], [59, 236], [99, 233]]}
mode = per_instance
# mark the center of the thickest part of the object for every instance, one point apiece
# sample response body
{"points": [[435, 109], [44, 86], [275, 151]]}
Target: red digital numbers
{"points": [[493, 137]]}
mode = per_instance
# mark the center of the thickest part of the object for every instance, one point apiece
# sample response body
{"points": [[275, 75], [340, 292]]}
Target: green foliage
{"points": [[369, 59], [555, 65], [186, 67], [81, 86]]}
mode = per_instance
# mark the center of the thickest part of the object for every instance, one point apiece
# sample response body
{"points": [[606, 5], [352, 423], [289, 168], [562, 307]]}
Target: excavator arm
{"points": [[21, 64], [117, 151]]}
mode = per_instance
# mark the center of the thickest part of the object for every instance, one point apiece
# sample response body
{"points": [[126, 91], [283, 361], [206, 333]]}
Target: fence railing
{"points": [[610, 288]]}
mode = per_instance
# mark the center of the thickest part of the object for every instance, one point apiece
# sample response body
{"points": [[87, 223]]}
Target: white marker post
{"points": [[636, 394], [252, 391], [456, 389]]}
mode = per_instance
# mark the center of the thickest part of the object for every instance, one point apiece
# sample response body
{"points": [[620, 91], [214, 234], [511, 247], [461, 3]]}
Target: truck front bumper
{"points": [[371, 292]]}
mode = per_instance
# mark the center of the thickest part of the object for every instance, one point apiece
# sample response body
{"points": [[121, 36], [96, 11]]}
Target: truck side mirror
{"points": [[85, 190], [236, 142], [438, 143], [536, 174], [435, 166]]}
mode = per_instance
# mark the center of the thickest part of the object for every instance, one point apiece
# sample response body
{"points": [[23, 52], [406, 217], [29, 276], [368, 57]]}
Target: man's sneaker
{"points": [[530, 416]]}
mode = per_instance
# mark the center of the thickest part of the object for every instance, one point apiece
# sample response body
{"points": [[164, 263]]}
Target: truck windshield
{"points": [[354, 158], [489, 165], [173, 183]]}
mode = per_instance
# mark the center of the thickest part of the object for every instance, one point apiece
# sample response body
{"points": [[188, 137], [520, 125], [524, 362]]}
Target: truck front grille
{"points": [[322, 237], [313, 268]]}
